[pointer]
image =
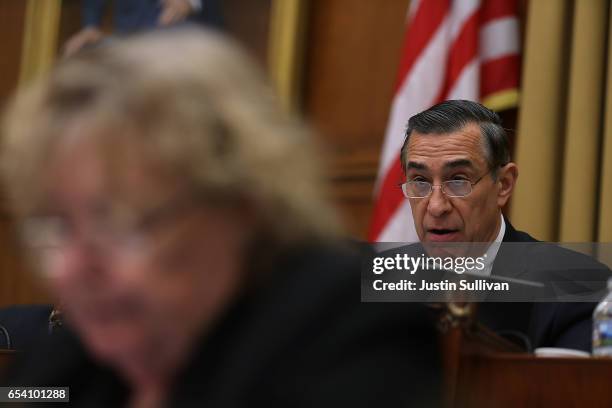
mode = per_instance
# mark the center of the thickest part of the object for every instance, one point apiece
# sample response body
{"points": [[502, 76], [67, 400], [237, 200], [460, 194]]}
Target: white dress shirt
{"points": [[491, 252]]}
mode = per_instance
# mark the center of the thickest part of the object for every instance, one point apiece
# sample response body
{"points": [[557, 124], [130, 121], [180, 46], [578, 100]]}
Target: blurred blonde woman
{"points": [[181, 220]]}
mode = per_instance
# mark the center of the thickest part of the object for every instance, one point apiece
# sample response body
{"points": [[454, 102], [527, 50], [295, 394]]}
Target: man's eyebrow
{"points": [[416, 166], [459, 163]]}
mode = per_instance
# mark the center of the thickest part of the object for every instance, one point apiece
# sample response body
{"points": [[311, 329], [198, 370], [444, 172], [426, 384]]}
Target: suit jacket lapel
{"points": [[507, 262]]}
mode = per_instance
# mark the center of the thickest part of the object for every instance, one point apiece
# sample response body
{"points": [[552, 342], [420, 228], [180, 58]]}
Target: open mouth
{"points": [[442, 234], [442, 231]]}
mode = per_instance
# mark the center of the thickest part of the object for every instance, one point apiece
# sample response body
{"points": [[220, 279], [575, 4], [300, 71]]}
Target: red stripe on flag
{"points": [[499, 74], [463, 51], [423, 26], [494, 9]]}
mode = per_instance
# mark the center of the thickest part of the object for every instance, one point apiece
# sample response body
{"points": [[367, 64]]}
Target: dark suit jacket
{"points": [[24, 325], [135, 15], [531, 324], [299, 338], [567, 325]]}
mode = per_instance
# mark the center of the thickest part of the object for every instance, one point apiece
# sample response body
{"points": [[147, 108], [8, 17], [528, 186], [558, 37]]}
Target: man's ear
{"points": [[506, 179]]}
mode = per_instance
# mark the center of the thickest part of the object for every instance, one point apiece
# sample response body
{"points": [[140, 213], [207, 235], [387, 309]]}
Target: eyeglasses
{"points": [[451, 188], [120, 233]]}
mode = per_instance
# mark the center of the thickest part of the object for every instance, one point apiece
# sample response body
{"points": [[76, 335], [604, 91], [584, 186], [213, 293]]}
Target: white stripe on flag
{"points": [[460, 12], [400, 227], [412, 9], [499, 38], [467, 85]]}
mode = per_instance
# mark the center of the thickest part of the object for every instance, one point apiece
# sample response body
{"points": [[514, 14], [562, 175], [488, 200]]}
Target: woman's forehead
{"points": [[94, 163]]}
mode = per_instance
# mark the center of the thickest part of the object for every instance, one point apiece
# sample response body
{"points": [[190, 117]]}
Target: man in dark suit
{"points": [[546, 324], [459, 176]]}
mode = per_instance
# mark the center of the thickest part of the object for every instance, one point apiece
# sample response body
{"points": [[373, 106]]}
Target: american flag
{"points": [[453, 49]]}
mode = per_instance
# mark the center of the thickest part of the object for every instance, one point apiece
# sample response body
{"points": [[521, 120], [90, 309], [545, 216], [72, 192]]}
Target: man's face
{"points": [[437, 158]]}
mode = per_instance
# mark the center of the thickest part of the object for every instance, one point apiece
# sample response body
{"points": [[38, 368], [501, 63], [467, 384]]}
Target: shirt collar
{"points": [[491, 252]]}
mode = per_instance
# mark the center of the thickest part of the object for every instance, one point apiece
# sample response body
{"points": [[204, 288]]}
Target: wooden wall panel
{"points": [[12, 17], [352, 58], [248, 22], [70, 21], [17, 285]]}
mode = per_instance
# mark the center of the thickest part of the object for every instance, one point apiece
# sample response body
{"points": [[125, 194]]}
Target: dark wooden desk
{"points": [[483, 371], [523, 380], [6, 357]]}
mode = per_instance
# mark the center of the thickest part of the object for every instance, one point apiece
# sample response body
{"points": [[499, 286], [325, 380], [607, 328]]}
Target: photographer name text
{"points": [[445, 285]]}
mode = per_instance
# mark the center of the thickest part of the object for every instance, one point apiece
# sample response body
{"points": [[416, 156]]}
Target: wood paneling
{"points": [[352, 59], [70, 21], [6, 358], [12, 17], [248, 22], [17, 284]]}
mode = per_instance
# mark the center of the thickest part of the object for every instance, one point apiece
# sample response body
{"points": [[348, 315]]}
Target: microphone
{"points": [[4, 332]]}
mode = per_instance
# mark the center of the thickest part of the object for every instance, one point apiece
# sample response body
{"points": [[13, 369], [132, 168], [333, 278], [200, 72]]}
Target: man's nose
{"points": [[438, 204]]}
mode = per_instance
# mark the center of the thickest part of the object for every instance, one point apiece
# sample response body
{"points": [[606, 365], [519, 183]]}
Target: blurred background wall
{"points": [[336, 62]]}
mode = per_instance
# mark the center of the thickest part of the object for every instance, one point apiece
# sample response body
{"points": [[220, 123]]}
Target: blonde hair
{"points": [[199, 105]]}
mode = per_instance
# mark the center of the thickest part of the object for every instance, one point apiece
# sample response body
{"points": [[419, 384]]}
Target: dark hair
{"points": [[451, 116]]}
